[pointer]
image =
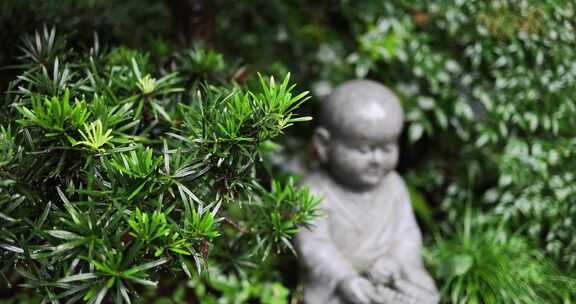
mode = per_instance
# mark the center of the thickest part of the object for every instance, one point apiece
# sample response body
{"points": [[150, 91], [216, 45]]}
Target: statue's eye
{"points": [[364, 149]]}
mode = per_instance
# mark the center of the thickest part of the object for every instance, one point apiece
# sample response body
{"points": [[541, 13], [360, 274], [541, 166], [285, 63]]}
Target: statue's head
{"points": [[356, 142]]}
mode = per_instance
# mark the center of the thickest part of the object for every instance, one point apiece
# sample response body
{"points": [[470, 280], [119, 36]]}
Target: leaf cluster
{"points": [[484, 263], [113, 172]]}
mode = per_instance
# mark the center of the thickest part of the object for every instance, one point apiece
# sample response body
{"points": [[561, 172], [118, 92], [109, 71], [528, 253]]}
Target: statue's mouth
{"points": [[373, 171]]}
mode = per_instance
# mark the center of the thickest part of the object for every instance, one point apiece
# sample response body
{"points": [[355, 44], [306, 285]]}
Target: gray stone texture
{"points": [[367, 247]]}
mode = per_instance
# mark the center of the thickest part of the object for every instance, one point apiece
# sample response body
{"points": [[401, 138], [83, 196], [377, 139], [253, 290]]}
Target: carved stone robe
{"points": [[356, 231]]}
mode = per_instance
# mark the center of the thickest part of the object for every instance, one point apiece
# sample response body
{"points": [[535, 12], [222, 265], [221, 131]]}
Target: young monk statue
{"points": [[366, 249]]}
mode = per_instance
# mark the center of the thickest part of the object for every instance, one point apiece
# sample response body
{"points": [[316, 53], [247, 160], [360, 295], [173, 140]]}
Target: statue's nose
{"points": [[377, 156]]}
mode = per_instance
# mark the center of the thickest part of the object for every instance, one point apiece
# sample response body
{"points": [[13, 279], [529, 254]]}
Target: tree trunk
{"points": [[193, 21]]}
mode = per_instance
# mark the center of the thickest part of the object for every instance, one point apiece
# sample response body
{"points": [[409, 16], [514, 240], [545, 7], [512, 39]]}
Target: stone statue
{"points": [[366, 249]]}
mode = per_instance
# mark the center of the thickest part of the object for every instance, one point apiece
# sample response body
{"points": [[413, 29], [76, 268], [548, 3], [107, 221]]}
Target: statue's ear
{"points": [[321, 141]]}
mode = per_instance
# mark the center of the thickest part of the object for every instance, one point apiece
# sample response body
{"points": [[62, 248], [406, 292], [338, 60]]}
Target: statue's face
{"points": [[357, 142], [360, 161]]}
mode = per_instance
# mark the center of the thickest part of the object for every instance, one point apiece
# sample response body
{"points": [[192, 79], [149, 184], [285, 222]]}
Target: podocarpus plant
{"points": [[112, 174]]}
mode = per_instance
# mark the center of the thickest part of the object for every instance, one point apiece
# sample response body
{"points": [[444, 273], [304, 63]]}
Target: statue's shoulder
{"points": [[322, 186], [396, 181]]}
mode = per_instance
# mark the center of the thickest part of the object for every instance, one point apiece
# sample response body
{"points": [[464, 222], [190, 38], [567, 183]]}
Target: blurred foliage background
{"points": [[488, 90]]}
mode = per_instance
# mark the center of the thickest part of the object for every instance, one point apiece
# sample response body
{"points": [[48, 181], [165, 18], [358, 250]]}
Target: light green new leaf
{"points": [[94, 136]]}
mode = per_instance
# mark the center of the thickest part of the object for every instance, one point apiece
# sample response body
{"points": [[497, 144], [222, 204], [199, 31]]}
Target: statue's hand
{"points": [[385, 271], [357, 290], [419, 293]]}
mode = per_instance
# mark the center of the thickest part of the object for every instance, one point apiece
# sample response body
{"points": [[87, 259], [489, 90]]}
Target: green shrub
{"points": [[485, 263], [495, 99], [113, 175]]}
